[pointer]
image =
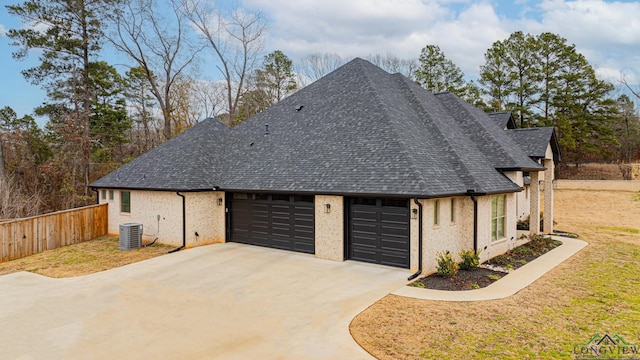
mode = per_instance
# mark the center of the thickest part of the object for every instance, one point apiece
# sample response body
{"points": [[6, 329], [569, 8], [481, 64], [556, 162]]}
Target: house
{"points": [[539, 144], [361, 165]]}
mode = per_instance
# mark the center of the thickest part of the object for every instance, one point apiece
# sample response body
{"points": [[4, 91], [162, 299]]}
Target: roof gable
{"points": [[534, 141], [504, 120]]}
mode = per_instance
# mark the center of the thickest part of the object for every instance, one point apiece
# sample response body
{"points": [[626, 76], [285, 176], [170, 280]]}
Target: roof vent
{"points": [[266, 129], [299, 107]]}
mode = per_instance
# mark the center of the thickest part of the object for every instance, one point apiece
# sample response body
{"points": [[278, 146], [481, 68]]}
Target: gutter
{"points": [[417, 273], [184, 224]]}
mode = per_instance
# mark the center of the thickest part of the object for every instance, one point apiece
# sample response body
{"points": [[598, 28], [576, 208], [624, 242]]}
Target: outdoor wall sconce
{"points": [[414, 213], [327, 208], [219, 201]]}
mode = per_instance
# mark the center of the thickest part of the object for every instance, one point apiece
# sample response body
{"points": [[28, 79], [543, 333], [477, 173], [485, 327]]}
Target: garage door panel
{"points": [[393, 233], [391, 246], [279, 221], [364, 229], [398, 260], [363, 254], [379, 231]]}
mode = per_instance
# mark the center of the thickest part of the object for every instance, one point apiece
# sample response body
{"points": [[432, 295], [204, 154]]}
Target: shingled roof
{"points": [[503, 119], [534, 141], [358, 130]]}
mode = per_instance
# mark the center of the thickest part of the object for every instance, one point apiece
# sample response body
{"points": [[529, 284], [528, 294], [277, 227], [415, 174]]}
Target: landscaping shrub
{"points": [[446, 265], [501, 260], [538, 242], [523, 251], [470, 259]]}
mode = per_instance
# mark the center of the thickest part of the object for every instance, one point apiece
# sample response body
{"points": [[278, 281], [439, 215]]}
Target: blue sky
{"points": [[606, 32]]}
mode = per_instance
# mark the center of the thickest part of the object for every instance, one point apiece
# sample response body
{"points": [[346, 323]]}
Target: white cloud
{"points": [[347, 27], [594, 22], [3, 30], [606, 32]]}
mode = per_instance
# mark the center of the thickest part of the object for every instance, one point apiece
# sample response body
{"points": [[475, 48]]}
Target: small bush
{"points": [[446, 265], [470, 259], [523, 251], [538, 242], [501, 260]]}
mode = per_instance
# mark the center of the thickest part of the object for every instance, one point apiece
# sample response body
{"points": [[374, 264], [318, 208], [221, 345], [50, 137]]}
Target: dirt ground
{"points": [[81, 259], [593, 292]]}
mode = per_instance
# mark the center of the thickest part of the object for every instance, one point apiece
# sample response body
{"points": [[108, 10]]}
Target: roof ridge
{"points": [[414, 101], [402, 144], [483, 127]]}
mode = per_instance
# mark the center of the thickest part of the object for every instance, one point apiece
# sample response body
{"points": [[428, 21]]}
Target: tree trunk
{"points": [[3, 169]]}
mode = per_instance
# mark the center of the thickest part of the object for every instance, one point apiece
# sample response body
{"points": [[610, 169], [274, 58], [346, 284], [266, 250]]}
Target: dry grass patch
{"points": [[596, 291], [590, 172], [81, 259]]}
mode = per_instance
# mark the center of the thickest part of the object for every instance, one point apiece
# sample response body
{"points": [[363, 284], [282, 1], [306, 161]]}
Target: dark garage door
{"points": [[379, 231], [278, 221]]}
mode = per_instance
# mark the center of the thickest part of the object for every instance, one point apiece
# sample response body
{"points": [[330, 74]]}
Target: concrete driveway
{"points": [[226, 301]]}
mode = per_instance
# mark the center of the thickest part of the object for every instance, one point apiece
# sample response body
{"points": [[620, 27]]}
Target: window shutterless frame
{"points": [[125, 201]]}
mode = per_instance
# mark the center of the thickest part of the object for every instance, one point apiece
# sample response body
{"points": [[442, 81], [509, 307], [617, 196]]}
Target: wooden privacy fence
{"points": [[27, 236]]}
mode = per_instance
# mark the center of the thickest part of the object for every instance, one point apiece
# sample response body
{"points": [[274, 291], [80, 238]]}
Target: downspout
{"points": [[97, 195], [475, 223], [472, 194], [417, 273], [184, 225]]}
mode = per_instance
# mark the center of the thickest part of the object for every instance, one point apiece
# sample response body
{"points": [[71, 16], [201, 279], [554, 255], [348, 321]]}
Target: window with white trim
{"points": [[436, 213], [498, 217]]}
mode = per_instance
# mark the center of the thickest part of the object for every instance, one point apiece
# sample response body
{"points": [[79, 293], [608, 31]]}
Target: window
{"points": [[125, 201], [104, 194], [110, 194], [453, 210], [497, 217], [436, 212]]}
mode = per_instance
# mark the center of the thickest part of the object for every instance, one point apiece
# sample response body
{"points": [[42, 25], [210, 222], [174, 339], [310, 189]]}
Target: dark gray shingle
{"points": [[360, 131]]}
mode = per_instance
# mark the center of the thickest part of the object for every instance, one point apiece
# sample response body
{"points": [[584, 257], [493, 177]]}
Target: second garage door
{"points": [[379, 231], [280, 221]]}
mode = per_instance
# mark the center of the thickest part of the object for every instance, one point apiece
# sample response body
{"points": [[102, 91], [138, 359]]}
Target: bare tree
{"points": [[207, 96], [15, 202], [3, 169], [624, 82], [394, 64], [236, 39], [317, 65], [158, 45]]}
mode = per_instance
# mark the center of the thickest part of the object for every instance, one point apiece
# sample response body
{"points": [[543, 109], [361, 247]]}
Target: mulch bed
{"points": [[464, 280], [483, 277]]}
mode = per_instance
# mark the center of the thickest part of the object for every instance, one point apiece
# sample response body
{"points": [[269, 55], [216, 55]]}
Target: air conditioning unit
{"points": [[130, 236]]}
